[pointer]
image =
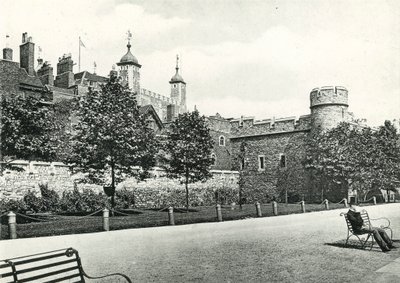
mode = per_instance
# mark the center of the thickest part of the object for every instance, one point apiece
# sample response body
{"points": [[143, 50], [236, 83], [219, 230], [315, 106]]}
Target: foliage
{"points": [[125, 198], [33, 202], [15, 205], [64, 117], [26, 130], [188, 147], [111, 136], [164, 192], [85, 201], [50, 199], [349, 156]]}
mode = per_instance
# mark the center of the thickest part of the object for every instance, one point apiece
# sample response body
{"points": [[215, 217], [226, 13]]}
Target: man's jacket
{"points": [[355, 219]]}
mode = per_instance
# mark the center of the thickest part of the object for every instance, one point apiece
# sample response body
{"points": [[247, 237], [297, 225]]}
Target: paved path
{"points": [[236, 251]]}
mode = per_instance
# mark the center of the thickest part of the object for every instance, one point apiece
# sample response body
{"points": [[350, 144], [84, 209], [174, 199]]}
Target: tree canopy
{"points": [[188, 148], [350, 156], [26, 130], [111, 137]]}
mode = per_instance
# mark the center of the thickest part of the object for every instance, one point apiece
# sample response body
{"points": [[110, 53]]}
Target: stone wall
{"points": [[269, 183], [14, 184]]}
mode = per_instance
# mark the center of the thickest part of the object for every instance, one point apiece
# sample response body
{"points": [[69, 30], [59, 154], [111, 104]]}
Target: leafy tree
{"points": [[26, 130], [111, 136], [350, 156], [188, 147]]}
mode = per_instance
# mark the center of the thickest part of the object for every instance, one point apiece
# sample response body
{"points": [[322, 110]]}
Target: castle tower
{"points": [[329, 107], [130, 69], [178, 90]]}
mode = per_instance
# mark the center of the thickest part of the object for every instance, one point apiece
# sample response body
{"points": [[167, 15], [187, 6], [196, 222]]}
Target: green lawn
{"points": [[62, 225]]}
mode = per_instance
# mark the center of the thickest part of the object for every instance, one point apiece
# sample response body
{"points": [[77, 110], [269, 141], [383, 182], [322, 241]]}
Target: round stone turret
{"points": [[329, 107]]}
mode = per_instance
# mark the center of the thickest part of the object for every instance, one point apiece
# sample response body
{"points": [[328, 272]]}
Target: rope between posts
{"points": [[124, 214], [32, 218], [5, 213], [162, 209]]}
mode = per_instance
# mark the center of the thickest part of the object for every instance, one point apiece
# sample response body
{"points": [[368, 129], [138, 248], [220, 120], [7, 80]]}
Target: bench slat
{"points": [[38, 258], [47, 266], [29, 279], [65, 278]]}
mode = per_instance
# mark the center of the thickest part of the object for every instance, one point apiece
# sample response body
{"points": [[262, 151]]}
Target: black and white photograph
{"points": [[199, 141]]}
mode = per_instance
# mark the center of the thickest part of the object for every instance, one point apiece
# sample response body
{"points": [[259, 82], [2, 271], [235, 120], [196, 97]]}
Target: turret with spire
{"points": [[129, 68], [178, 89]]}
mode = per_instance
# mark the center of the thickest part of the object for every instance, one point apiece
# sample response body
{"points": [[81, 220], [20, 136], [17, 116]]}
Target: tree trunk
{"points": [[187, 189], [113, 185]]}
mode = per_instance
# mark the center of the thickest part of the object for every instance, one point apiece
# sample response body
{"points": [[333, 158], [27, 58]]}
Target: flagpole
{"points": [[79, 65]]}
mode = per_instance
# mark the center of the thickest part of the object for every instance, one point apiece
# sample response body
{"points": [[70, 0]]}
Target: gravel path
{"points": [[290, 248]]}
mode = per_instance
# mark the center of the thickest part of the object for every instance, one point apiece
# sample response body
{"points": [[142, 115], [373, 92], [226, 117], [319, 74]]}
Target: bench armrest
{"points": [[382, 218]]}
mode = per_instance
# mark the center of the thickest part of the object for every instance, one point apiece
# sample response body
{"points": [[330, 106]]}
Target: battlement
{"points": [[250, 126], [336, 95], [152, 94]]}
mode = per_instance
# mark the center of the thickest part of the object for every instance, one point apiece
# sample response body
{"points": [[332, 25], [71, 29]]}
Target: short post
{"points": [[171, 219], [275, 207], [303, 206], [12, 225], [374, 199], [326, 204], [345, 202], [106, 220], [258, 209], [219, 214]]}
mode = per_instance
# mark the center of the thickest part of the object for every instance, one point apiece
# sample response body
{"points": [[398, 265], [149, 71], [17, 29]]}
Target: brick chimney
{"points": [[27, 54], [65, 75], [7, 54], [45, 73]]}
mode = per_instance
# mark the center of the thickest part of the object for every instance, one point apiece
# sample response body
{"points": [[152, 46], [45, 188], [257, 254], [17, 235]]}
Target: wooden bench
{"points": [[55, 266], [367, 221]]}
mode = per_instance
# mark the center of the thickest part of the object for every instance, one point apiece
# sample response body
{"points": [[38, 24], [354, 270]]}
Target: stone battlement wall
{"points": [[329, 95], [248, 126]]}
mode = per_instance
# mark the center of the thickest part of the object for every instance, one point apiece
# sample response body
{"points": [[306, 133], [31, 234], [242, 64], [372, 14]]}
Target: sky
{"points": [[238, 58]]}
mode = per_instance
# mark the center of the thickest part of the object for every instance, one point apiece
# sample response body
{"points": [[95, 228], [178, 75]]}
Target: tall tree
{"points": [[188, 148], [111, 136], [26, 130], [348, 155]]}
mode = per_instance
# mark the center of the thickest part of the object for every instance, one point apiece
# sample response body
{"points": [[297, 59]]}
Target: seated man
{"points": [[383, 240]]}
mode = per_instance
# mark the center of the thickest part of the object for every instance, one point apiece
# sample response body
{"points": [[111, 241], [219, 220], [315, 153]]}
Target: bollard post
{"points": [[345, 202], [106, 220], [275, 207], [374, 199], [219, 214], [258, 209], [326, 204], [171, 219], [303, 206], [12, 225]]}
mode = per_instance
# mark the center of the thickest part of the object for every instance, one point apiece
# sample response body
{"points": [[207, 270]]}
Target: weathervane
{"points": [[129, 36], [177, 61]]}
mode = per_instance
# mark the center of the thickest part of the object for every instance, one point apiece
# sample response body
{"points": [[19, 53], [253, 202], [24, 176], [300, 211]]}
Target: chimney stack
{"points": [[7, 54], [65, 75], [27, 54], [45, 74]]}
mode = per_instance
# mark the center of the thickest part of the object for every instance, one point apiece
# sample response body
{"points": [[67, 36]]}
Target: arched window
{"points": [[221, 141]]}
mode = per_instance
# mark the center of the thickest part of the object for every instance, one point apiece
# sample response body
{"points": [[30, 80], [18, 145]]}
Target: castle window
{"points": [[221, 141], [261, 162], [282, 161], [174, 85]]}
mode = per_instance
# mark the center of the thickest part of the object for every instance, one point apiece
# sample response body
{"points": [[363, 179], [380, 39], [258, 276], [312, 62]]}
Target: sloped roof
{"points": [[149, 109]]}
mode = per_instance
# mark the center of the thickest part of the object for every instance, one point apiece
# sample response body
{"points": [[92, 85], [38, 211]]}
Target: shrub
{"points": [[15, 205], [32, 202], [85, 201], [50, 199], [124, 198]]}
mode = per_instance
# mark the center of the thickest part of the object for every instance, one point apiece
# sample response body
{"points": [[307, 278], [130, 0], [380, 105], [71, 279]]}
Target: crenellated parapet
{"points": [[328, 106], [332, 95], [248, 126]]}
